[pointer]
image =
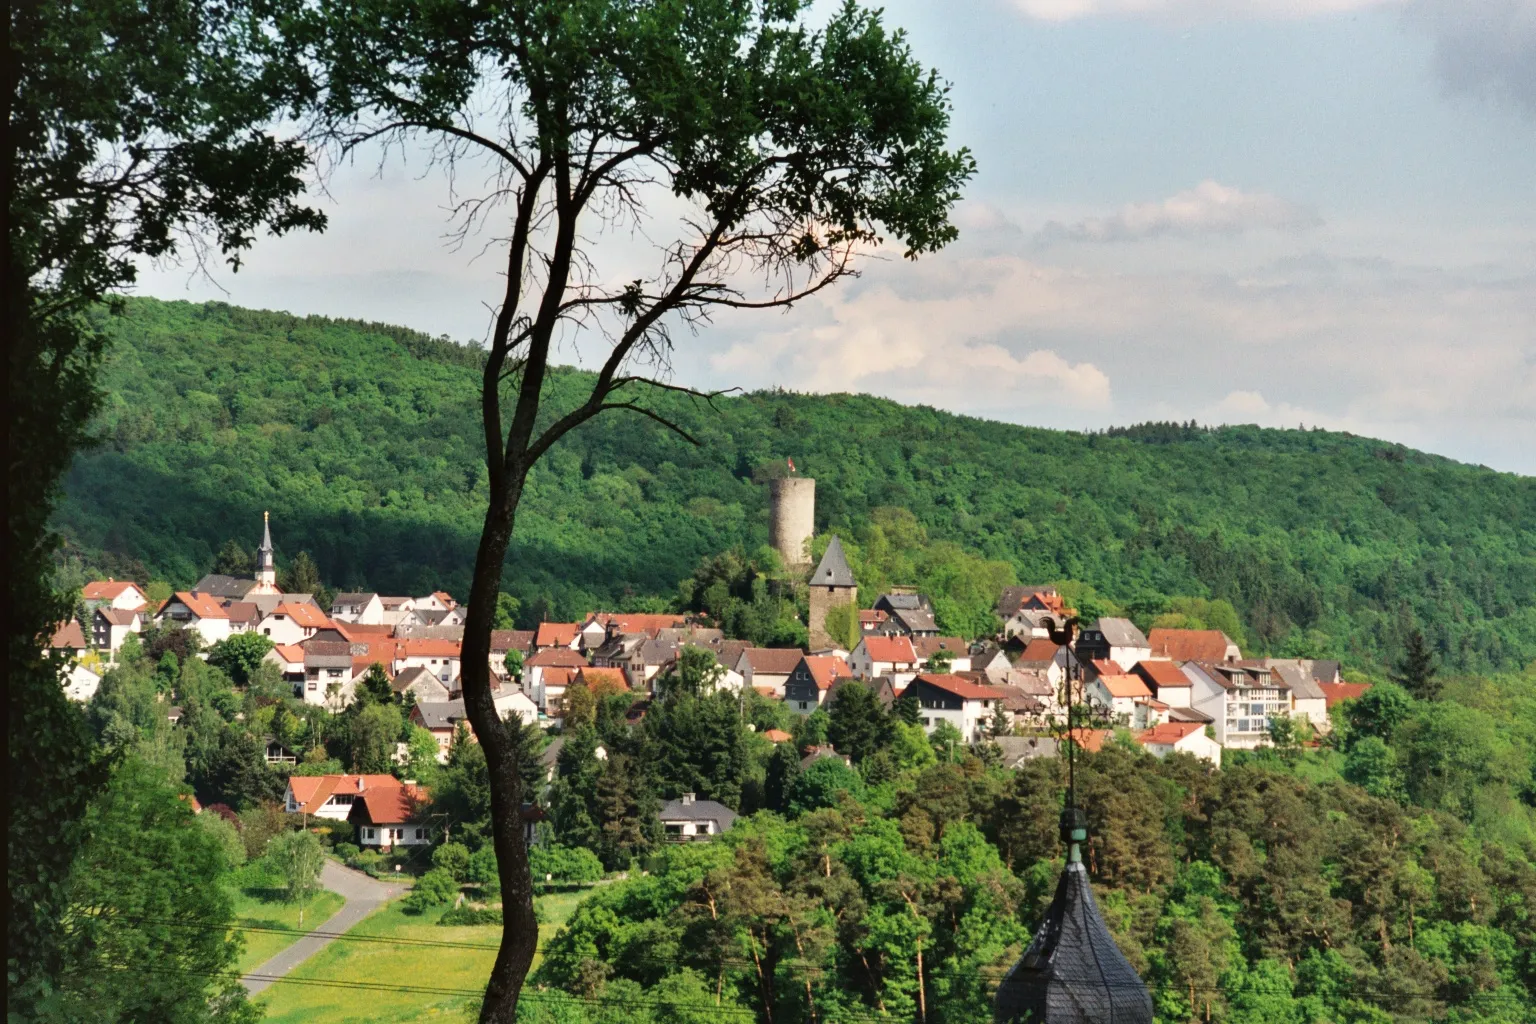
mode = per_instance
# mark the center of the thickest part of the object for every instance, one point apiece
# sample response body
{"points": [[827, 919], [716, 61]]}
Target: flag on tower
{"points": [[791, 464]]}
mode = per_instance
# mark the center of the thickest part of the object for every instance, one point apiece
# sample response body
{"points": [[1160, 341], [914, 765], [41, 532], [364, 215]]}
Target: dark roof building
{"points": [[833, 570]]}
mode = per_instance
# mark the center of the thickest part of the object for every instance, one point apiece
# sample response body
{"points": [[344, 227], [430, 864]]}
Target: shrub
{"points": [[258, 826], [346, 851], [227, 835], [432, 889], [452, 858], [470, 915], [337, 833], [564, 863], [367, 860]]}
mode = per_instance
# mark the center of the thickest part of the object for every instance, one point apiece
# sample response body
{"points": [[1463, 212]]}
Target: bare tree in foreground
{"points": [[790, 153]]}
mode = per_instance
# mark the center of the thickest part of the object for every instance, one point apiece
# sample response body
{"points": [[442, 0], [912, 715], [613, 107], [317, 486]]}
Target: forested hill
{"points": [[363, 441]]}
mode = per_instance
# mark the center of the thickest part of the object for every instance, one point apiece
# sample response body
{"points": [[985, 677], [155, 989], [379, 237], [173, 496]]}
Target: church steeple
{"points": [[266, 570]]}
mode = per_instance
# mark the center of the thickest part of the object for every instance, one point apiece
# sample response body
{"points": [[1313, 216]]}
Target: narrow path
{"points": [[363, 894]]}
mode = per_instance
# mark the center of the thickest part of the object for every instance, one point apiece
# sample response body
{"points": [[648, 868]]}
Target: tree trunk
{"points": [[519, 930]]}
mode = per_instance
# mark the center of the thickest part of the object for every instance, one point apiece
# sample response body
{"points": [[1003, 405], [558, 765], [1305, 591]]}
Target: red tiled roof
{"points": [[557, 656], [638, 622], [293, 654], [1121, 685], [777, 736], [204, 606], [894, 649], [1091, 740], [393, 806], [310, 791], [1039, 649], [431, 649], [872, 616], [1334, 693], [555, 677], [305, 615], [1189, 644], [773, 661], [1161, 673], [108, 590], [961, 687], [556, 634], [359, 631], [826, 669], [1169, 732], [69, 636]]}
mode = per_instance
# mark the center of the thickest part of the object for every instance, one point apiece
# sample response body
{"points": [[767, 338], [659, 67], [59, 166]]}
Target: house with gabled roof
{"points": [[111, 625], [441, 657], [225, 588], [442, 719], [124, 595], [1337, 693], [547, 694], [1210, 645], [557, 634], [809, 683], [421, 683], [1166, 680], [328, 674], [192, 609], [292, 623], [386, 812], [1307, 698], [1042, 655], [365, 609], [1117, 695], [689, 819], [946, 697], [1114, 639], [885, 656], [1181, 737], [768, 667]]}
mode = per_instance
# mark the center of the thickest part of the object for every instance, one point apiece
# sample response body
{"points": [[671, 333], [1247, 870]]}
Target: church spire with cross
{"points": [[266, 568]]}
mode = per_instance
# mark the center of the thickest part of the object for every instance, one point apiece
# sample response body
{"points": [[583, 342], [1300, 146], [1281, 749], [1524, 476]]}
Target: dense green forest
{"points": [[363, 441]]}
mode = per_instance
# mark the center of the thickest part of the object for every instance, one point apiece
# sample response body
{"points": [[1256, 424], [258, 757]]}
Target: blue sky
{"points": [[1270, 211]]}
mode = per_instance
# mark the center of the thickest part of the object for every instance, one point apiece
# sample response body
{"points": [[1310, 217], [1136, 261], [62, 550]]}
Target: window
{"points": [[313, 685], [367, 833], [421, 833]]}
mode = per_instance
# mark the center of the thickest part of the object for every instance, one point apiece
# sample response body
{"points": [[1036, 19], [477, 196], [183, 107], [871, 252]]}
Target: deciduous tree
{"points": [[789, 154]]}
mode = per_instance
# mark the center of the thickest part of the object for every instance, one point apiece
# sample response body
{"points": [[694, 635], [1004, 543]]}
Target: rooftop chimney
{"points": [[687, 799], [359, 783]]}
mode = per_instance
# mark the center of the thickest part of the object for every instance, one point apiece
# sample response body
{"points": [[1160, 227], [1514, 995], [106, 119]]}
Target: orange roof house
{"points": [[1040, 650], [111, 590], [1124, 685], [307, 616], [826, 669], [894, 650], [1159, 674]]}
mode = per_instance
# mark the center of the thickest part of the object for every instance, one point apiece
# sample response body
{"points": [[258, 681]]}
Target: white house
{"points": [[395, 609], [440, 657], [123, 595], [363, 609], [289, 659], [1242, 702], [328, 674], [422, 684], [891, 656], [1040, 654], [1167, 680], [512, 701], [549, 658], [81, 683], [1185, 737], [386, 811], [1117, 694], [190, 609], [292, 623], [690, 819], [946, 697], [437, 601], [1307, 698]]}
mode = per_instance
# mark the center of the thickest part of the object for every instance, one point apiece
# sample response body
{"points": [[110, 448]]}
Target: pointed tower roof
{"points": [[1073, 973], [264, 553], [832, 570]]}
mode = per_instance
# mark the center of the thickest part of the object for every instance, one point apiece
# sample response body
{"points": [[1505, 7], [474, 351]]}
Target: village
{"points": [[1019, 694]]}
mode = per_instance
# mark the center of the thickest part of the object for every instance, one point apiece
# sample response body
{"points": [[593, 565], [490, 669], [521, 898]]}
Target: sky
{"points": [[1283, 212]]}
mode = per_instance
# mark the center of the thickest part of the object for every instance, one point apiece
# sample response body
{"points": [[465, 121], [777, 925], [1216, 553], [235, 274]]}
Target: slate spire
{"points": [[832, 570], [266, 569]]}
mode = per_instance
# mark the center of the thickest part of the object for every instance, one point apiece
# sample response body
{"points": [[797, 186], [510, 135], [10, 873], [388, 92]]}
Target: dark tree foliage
{"points": [[857, 724], [234, 560], [1416, 671], [129, 130], [697, 745]]}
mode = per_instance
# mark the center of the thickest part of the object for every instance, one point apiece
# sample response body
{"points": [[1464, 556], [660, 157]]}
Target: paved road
{"points": [[363, 895]]}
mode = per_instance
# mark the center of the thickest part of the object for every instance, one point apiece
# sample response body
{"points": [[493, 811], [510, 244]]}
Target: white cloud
{"points": [[1209, 208], [1068, 10]]}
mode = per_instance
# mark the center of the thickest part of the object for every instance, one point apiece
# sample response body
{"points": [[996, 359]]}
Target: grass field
{"points": [[407, 966], [254, 909]]}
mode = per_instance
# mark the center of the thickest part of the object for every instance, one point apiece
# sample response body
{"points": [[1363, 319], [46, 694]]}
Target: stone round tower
{"points": [[792, 519]]}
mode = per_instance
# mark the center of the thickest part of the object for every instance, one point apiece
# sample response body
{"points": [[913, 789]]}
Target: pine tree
{"points": [[1416, 672], [622, 802], [234, 560]]}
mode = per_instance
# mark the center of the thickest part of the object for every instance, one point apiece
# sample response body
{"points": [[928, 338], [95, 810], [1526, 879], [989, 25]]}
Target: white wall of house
{"points": [[675, 828], [1313, 709], [370, 613], [281, 629], [1241, 715], [316, 688], [1121, 709], [334, 809], [81, 683], [1196, 743], [445, 668], [517, 703], [384, 837], [1127, 657]]}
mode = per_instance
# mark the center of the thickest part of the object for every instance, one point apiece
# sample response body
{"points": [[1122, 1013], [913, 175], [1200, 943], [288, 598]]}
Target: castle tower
{"points": [[266, 569], [831, 585], [792, 519]]}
